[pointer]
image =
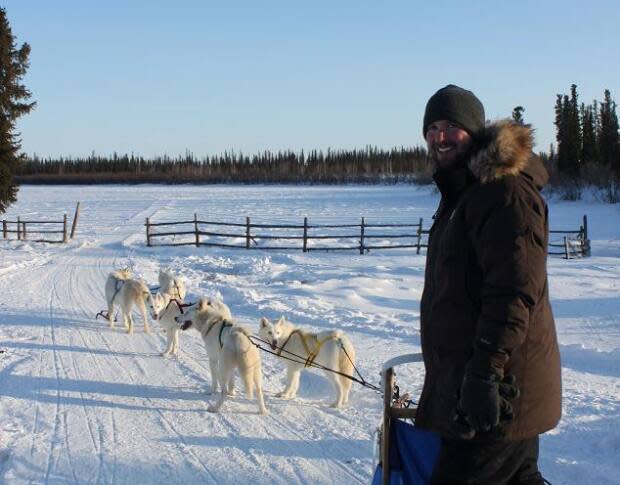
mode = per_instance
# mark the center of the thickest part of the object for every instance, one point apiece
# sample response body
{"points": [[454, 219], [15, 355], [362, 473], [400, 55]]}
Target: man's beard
{"points": [[460, 159]]}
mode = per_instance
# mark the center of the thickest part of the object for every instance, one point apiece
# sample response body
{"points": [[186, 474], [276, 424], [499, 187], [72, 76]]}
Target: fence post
{"points": [[75, 219], [19, 229], [24, 234], [148, 233], [586, 241], [196, 230], [305, 235], [362, 237], [419, 237], [4, 229], [64, 229], [247, 233], [566, 249]]}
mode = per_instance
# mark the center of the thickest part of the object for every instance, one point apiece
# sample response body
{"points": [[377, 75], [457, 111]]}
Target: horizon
{"points": [[153, 80]]}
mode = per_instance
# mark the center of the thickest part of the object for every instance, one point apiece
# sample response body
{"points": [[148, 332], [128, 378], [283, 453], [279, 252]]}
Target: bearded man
{"points": [[493, 374]]}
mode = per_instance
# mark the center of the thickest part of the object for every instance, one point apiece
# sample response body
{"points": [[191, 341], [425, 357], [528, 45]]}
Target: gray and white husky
{"points": [[299, 348]]}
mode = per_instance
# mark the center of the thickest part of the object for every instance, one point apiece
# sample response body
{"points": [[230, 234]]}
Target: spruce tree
{"points": [[559, 126], [574, 129], [588, 134], [517, 114], [14, 103], [608, 134], [568, 133]]}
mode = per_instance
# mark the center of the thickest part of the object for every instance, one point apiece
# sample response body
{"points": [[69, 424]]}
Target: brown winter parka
{"points": [[486, 280]]}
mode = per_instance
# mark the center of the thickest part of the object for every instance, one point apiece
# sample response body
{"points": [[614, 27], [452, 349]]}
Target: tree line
{"points": [[588, 146], [370, 164]]}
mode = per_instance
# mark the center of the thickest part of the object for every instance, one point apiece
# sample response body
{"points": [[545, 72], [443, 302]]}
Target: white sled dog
{"points": [[125, 292], [171, 284], [166, 308], [299, 349], [229, 348], [113, 284]]}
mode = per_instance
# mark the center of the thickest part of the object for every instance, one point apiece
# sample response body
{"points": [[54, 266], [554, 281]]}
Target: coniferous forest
{"points": [[587, 152]]}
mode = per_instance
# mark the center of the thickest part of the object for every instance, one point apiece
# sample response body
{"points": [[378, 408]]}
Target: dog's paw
{"points": [[263, 412]]}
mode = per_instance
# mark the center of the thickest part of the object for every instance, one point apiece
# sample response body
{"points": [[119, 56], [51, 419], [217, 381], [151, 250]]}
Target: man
{"points": [[490, 349]]}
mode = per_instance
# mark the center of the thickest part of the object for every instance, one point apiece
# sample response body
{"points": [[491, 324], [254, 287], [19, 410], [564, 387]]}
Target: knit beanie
{"points": [[458, 105]]}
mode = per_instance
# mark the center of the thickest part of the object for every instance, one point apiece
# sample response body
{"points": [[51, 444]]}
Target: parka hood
{"points": [[505, 148]]}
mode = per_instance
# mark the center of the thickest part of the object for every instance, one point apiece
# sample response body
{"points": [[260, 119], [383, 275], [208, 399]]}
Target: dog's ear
{"points": [[281, 321], [264, 322]]}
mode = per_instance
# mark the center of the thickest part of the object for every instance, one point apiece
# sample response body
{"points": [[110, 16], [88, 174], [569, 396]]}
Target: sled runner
{"points": [[407, 454]]}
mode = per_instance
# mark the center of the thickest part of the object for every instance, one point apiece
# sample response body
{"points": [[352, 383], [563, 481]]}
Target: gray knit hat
{"points": [[458, 105]]}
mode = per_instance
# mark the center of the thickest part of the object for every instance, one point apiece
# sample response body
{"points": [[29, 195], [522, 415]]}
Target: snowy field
{"points": [[83, 403]]}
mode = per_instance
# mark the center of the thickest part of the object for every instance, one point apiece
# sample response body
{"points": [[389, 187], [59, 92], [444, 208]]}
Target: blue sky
{"points": [[151, 78]]}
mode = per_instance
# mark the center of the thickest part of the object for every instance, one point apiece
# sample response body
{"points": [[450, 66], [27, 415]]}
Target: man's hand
{"points": [[483, 404]]}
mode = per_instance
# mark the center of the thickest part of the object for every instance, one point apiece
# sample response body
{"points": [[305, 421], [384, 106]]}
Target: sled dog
{"points": [[299, 348], [166, 308], [238, 352], [212, 319], [125, 292], [113, 284], [228, 348], [171, 284]]}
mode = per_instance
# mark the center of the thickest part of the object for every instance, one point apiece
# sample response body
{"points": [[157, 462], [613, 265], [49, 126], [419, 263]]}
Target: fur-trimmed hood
{"points": [[505, 148]]}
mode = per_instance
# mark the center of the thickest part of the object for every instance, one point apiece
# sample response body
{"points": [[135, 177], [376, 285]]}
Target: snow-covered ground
{"points": [[83, 403]]}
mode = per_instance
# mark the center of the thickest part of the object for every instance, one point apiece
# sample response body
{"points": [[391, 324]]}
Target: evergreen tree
{"points": [[517, 114], [568, 133], [13, 104], [574, 133], [560, 132], [608, 134], [588, 134]]}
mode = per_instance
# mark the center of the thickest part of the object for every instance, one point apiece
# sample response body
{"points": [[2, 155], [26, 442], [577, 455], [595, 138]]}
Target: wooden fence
{"points": [[25, 229], [306, 237], [573, 244]]}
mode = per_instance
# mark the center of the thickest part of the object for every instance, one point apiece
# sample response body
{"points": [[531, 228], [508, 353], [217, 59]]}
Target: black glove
{"points": [[483, 404]]}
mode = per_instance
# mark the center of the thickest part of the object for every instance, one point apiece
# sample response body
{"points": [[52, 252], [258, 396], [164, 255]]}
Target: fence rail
{"points": [[310, 237], [305, 237], [574, 244], [25, 228]]}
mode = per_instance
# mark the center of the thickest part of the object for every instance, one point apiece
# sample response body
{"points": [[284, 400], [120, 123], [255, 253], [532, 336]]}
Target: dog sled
{"points": [[407, 454]]}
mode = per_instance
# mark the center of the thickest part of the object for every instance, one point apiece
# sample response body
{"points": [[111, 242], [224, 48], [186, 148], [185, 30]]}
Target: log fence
{"points": [[306, 237], [573, 244], [25, 229]]}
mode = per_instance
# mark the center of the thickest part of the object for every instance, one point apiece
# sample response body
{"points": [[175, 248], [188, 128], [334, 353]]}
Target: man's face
{"points": [[447, 143]]}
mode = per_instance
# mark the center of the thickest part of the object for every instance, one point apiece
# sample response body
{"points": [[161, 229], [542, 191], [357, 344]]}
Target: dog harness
{"points": [[304, 340], [225, 323]]}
